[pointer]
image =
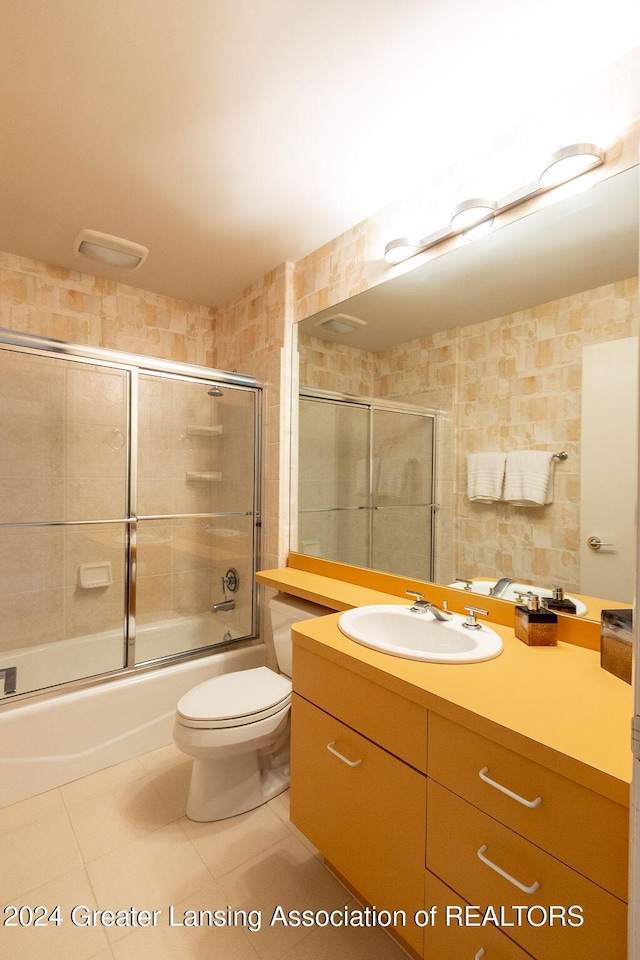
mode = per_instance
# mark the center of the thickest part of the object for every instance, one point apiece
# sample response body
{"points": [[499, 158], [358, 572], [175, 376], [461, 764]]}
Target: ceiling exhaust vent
{"points": [[341, 323], [112, 251]]}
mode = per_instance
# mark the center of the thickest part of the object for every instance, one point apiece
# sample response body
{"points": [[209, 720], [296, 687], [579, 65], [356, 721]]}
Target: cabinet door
{"points": [[363, 809]]}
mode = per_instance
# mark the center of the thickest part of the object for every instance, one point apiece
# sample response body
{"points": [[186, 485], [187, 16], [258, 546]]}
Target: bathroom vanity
{"points": [[489, 799]]}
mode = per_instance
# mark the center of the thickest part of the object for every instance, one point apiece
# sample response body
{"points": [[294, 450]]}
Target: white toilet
{"points": [[236, 727]]}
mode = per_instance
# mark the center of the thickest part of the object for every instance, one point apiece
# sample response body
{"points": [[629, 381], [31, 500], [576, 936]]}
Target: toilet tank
{"points": [[285, 611]]}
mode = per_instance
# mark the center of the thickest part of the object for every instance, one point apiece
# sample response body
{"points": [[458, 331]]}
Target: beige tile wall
{"points": [[519, 389], [251, 334]]}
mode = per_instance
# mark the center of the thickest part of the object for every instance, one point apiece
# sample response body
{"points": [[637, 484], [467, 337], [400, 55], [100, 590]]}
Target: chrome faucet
{"points": [[223, 605], [423, 606], [501, 587]]}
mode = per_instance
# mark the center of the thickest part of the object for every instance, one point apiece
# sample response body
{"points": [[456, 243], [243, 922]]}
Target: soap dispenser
{"points": [[559, 602], [534, 625]]}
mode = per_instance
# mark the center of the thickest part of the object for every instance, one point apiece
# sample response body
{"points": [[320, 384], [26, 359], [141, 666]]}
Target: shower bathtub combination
{"points": [[129, 537]]}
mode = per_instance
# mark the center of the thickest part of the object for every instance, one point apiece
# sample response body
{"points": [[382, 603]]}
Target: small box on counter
{"points": [[616, 632]]}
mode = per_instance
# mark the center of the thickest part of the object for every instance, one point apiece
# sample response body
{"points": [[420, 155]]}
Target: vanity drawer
{"points": [[363, 809], [582, 828], [448, 938], [397, 724], [458, 838]]}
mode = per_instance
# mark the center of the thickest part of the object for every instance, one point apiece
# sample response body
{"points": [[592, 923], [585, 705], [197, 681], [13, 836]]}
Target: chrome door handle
{"points": [[594, 543]]}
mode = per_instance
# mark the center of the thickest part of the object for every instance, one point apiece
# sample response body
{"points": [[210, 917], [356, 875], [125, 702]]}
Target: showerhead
{"points": [[215, 392]]}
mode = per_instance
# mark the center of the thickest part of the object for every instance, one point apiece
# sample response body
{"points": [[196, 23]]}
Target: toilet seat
{"points": [[234, 699]]}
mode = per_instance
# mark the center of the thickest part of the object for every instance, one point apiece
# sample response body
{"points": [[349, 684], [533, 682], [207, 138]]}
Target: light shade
{"points": [[398, 250], [112, 251], [570, 162], [470, 213]]}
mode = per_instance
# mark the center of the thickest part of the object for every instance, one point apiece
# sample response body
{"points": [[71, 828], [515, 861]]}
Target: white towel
{"points": [[485, 476], [528, 479], [392, 478]]}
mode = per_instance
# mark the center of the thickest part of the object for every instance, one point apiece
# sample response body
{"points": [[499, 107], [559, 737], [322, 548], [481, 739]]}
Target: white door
{"points": [[608, 469]]}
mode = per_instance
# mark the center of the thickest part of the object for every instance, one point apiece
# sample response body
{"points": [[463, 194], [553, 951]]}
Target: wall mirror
{"points": [[523, 340]]}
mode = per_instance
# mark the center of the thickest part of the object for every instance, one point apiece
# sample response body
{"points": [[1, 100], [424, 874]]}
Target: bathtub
{"points": [[60, 737]]}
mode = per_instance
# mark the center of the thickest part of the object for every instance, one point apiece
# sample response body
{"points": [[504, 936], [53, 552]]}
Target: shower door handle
{"points": [[594, 543]]}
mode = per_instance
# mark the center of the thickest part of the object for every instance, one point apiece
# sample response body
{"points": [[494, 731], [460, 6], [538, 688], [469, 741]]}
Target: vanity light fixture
{"points": [[570, 162], [341, 323], [112, 251], [474, 218]]}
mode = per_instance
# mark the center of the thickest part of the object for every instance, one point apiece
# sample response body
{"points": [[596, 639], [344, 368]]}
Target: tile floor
{"points": [[119, 840]]}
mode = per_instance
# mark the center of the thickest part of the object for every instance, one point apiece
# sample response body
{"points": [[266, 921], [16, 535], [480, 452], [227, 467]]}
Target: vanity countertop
{"points": [[555, 705]]}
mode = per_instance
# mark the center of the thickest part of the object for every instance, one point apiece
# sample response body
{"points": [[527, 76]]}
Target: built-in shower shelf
{"points": [[193, 430], [196, 475]]}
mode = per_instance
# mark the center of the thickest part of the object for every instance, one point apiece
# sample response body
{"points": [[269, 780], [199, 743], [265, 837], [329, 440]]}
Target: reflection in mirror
{"points": [[366, 483], [523, 341]]}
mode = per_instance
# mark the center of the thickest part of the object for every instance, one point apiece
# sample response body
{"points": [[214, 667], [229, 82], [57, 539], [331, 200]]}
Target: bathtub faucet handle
{"points": [[231, 581]]}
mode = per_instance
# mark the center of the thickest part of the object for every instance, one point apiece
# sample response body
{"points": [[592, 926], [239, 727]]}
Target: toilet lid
{"points": [[235, 698]]}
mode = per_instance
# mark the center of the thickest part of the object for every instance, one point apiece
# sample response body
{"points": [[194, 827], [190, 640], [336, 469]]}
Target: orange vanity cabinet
{"points": [[416, 812], [360, 805]]}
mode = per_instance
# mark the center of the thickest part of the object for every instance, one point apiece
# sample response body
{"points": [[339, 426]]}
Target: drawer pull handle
{"points": [[480, 954], [503, 873], [514, 796], [350, 763]]}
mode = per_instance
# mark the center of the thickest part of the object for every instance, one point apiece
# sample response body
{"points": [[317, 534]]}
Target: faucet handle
{"points": [[415, 594], [471, 622]]}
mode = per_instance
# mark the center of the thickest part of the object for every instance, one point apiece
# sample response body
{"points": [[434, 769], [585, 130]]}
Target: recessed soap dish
{"points": [[92, 575]]}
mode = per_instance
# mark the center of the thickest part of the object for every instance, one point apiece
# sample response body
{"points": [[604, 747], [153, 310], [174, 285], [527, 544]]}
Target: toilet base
{"points": [[230, 786]]}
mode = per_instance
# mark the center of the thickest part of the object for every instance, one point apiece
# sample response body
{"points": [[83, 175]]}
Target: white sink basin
{"points": [[485, 587], [419, 636]]}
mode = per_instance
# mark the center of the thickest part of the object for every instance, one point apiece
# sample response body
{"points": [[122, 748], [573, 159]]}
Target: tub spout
{"points": [[223, 605]]}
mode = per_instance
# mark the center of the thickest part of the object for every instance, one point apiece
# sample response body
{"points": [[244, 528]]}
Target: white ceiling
{"points": [[231, 135]]}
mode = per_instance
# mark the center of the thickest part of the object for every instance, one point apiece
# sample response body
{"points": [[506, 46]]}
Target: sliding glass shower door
{"points": [[402, 492], [365, 484], [334, 480], [64, 500], [196, 508], [129, 511]]}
